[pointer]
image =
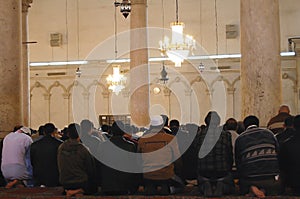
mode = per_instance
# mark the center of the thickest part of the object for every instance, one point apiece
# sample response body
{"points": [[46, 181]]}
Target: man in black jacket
{"points": [[43, 155], [114, 181], [289, 159], [256, 159]]}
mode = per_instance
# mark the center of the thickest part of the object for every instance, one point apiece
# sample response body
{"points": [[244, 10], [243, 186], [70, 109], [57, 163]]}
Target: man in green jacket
{"points": [[76, 165]]}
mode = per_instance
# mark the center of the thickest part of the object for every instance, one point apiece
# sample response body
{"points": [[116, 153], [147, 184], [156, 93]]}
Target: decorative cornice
{"points": [[26, 5]]}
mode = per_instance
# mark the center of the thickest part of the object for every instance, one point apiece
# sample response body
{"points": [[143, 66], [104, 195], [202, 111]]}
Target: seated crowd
{"points": [[230, 159]]}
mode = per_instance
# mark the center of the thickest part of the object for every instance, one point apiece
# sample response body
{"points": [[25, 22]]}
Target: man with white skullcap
{"points": [[159, 159], [16, 166]]}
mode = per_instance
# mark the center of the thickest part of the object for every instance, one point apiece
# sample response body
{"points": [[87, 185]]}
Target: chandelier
{"points": [[116, 81], [125, 7], [180, 46]]}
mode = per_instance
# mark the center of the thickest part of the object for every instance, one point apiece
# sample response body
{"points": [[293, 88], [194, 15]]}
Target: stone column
{"points": [[105, 95], [260, 62], [188, 112], [10, 65], [167, 94], [296, 97], [139, 68], [66, 97], [47, 97], [25, 70], [86, 97], [230, 102]]}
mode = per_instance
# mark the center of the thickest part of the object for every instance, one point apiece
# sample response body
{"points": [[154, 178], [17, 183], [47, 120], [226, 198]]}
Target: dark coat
{"points": [[76, 164], [113, 180], [43, 155], [289, 159], [285, 135]]}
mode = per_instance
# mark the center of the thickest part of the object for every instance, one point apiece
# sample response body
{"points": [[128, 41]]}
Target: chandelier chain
{"points": [[116, 31], [177, 18], [67, 31], [217, 36], [78, 47], [200, 26], [163, 18]]}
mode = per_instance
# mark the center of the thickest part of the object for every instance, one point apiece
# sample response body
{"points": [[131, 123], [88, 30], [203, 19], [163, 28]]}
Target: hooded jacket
{"points": [[75, 163]]}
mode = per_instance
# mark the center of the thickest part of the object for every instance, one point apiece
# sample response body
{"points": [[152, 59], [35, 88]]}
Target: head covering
{"points": [[26, 130], [156, 120]]}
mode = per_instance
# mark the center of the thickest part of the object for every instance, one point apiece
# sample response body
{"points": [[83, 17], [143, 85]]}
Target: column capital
{"points": [[208, 91], [231, 90], [86, 94], [105, 94], [167, 91], [188, 92], [26, 5], [66, 95], [295, 89], [47, 96]]}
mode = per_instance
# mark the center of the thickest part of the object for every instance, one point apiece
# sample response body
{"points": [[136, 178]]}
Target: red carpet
{"points": [[56, 193]]}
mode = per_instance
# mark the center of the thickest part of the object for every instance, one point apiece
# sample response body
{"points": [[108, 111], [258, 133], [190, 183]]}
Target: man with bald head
{"points": [[276, 123]]}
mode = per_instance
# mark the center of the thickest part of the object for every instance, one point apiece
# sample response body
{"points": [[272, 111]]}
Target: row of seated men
{"points": [[161, 160]]}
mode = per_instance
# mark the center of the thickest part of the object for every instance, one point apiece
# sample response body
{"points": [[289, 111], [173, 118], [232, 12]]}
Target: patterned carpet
{"points": [[57, 193]]}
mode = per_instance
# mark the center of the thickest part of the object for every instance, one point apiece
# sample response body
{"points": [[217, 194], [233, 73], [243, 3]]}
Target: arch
{"points": [[57, 84], [236, 80], [58, 104], [75, 83], [197, 79], [178, 80], [221, 78], [97, 83], [37, 84], [39, 101], [287, 76], [289, 85]]}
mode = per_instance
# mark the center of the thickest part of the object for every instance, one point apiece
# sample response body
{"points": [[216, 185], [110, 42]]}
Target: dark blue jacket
{"points": [[256, 153]]}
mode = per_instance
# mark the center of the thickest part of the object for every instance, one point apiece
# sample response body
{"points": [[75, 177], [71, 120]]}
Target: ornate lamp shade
{"points": [[116, 81]]}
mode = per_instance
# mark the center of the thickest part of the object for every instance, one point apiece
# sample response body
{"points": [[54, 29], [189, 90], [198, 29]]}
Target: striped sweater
{"points": [[256, 153]]}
